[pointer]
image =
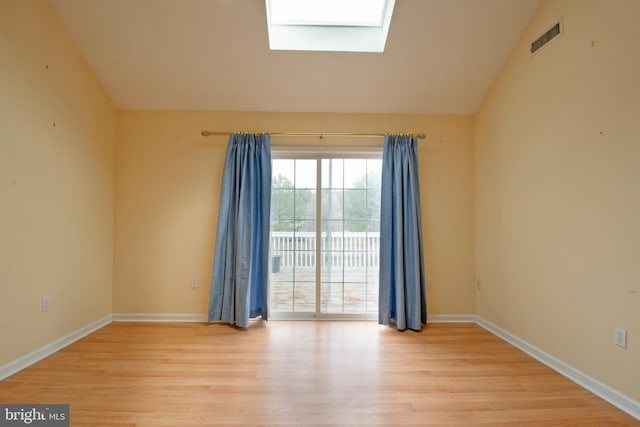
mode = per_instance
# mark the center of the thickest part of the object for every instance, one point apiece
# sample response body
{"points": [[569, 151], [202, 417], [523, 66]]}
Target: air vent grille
{"points": [[545, 38]]}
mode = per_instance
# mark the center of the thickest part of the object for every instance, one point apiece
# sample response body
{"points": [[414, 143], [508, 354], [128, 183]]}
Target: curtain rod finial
{"points": [[421, 135], [204, 133]]}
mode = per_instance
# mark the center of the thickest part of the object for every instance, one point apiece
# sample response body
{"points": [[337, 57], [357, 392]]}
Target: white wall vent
{"points": [[550, 34]]}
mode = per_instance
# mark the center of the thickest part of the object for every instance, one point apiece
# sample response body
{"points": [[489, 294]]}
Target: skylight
{"points": [[329, 25], [364, 13]]}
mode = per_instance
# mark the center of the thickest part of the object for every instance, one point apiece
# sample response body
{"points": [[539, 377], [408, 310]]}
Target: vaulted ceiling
{"points": [[441, 57]]}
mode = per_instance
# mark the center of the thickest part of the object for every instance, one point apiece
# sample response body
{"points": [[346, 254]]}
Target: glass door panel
{"points": [[293, 236], [349, 233]]}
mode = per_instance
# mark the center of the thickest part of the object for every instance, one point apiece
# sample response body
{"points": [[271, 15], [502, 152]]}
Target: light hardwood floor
{"points": [[304, 373]]}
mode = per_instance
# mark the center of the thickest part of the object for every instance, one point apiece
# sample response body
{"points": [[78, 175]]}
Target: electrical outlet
{"points": [[429, 284], [194, 282], [46, 304], [620, 337], [478, 284]]}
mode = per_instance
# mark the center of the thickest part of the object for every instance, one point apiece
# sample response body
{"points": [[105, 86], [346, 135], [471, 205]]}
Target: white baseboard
{"points": [[607, 393], [452, 318], [48, 349], [158, 317]]}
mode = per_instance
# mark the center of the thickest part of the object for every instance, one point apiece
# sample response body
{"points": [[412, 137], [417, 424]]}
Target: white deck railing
{"points": [[350, 249]]}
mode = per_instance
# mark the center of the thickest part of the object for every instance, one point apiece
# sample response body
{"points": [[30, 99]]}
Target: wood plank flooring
{"points": [[304, 374]]}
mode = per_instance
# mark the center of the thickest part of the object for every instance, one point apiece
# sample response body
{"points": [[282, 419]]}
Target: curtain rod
{"points": [[320, 134]]}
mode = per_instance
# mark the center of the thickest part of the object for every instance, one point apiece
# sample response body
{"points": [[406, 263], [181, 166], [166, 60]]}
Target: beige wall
{"points": [[57, 140], [168, 188], [557, 180]]}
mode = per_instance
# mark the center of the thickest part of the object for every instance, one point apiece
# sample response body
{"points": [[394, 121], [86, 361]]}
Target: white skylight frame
{"points": [[332, 30]]}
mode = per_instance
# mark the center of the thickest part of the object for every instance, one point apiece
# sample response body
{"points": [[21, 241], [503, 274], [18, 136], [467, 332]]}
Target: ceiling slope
{"points": [[441, 57]]}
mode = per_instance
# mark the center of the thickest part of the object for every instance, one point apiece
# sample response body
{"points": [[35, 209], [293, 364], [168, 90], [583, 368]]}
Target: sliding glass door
{"points": [[325, 235]]}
